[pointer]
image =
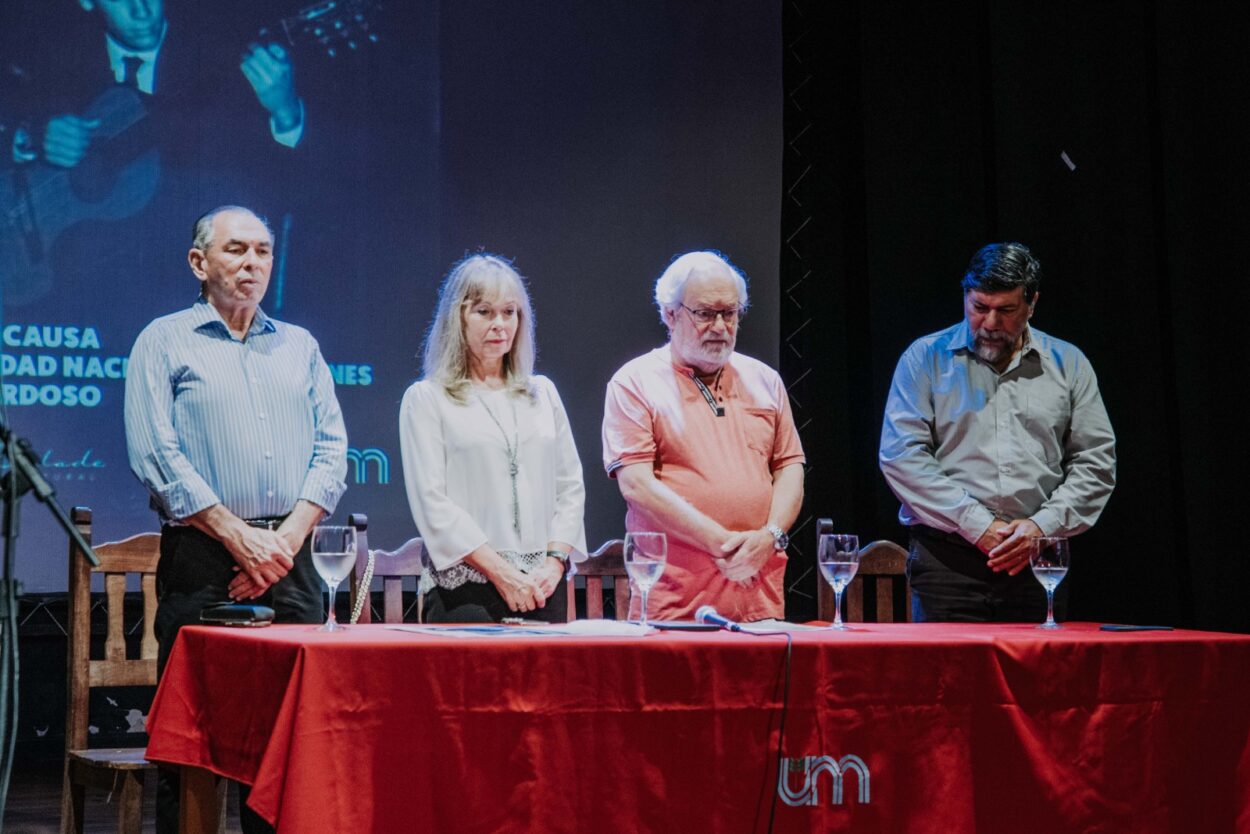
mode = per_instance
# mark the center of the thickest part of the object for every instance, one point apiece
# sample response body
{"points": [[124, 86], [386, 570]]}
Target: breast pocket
{"points": [[1046, 423], [760, 429]]}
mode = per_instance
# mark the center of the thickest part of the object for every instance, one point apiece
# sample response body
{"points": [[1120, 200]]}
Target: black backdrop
{"points": [[917, 132]]}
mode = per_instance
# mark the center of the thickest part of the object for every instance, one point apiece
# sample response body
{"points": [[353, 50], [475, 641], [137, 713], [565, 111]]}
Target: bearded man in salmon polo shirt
{"points": [[703, 445]]}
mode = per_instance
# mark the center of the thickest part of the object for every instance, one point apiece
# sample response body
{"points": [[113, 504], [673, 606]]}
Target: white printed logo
{"points": [[811, 767]]}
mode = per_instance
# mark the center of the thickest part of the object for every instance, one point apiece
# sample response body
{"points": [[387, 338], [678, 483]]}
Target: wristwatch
{"points": [[780, 540]]}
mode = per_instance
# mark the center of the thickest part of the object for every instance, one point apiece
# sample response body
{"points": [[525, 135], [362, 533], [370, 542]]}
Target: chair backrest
{"points": [[608, 560], [391, 567], [138, 555], [881, 578]]}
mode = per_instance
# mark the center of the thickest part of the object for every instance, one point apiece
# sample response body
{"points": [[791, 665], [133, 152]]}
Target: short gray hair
{"points": [[202, 231], [670, 287], [472, 279]]}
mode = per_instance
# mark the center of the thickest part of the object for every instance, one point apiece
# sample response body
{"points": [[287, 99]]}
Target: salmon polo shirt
{"points": [[655, 413]]}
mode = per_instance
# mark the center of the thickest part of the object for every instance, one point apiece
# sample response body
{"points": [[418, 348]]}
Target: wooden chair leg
{"points": [[130, 803], [72, 797], [202, 801]]}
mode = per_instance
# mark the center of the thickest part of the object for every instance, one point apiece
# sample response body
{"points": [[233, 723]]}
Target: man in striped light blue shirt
{"points": [[233, 426]]}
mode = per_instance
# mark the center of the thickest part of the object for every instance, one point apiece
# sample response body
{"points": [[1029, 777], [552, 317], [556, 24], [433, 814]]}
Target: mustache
{"points": [[991, 335]]}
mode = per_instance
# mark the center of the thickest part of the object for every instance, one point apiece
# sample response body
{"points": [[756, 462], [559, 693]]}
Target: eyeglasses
{"points": [[706, 315]]}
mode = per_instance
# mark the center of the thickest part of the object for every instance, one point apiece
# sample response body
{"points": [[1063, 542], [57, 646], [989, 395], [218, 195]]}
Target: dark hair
{"points": [[1001, 267]]}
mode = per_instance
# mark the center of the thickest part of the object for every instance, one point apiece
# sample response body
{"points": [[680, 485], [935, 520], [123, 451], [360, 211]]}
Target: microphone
{"points": [[708, 614]]}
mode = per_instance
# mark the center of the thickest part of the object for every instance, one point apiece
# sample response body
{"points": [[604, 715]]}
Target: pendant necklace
{"points": [[512, 448]]}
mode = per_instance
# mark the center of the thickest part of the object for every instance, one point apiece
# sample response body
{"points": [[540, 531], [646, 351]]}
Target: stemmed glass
{"points": [[333, 555], [1048, 557], [838, 556], [645, 557]]}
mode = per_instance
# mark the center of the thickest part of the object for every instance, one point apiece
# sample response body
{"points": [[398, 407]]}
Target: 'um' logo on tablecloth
{"points": [[811, 767]]}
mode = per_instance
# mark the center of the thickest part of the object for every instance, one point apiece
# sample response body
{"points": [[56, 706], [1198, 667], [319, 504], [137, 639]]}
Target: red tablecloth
{"points": [[958, 728]]}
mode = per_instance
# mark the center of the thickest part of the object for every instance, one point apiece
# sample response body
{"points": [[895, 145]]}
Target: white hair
{"points": [[670, 287], [475, 278]]}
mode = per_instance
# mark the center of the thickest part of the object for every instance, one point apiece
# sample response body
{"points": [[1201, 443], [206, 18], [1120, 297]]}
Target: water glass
{"points": [[1048, 557], [334, 556], [838, 557], [645, 557]]}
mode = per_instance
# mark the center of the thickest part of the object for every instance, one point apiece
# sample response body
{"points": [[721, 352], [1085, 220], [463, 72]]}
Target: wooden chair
{"points": [[117, 770], [608, 560], [392, 567], [882, 578]]}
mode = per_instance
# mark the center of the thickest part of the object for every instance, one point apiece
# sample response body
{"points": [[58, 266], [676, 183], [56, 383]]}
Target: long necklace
{"points": [[512, 448]]}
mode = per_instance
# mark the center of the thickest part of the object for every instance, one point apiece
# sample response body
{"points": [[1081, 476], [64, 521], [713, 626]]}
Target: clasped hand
{"points": [[745, 554], [528, 591], [262, 557], [1007, 543]]}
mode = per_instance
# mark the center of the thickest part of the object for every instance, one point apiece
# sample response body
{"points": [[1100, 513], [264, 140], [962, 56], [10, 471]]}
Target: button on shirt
{"points": [[962, 444], [252, 424]]}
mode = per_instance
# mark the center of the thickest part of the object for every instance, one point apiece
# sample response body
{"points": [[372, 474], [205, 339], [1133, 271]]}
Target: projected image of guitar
{"points": [[103, 163]]}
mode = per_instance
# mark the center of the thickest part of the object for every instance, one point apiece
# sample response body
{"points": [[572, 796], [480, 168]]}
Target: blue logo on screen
{"points": [[811, 767], [360, 460]]}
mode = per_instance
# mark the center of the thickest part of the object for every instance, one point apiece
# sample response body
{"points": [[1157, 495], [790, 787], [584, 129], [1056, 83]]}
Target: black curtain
{"points": [[1110, 138]]}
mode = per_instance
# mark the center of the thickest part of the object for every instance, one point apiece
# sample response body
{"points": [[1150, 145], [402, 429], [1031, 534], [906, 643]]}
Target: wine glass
{"points": [[838, 556], [1049, 558], [333, 555], [645, 556]]}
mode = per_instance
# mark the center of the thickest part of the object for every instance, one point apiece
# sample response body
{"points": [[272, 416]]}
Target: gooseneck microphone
{"points": [[708, 614]]}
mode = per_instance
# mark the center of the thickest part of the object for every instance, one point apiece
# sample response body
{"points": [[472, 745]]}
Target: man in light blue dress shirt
{"points": [[233, 426], [994, 433]]}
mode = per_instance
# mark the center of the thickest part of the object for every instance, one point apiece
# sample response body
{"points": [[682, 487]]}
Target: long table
{"points": [[899, 727]]}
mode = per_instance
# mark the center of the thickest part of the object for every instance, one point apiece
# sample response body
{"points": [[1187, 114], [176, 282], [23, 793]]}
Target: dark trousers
{"points": [[194, 572], [951, 583], [479, 602]]}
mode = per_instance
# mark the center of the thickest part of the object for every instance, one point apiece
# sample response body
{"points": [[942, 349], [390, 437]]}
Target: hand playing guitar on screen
{"points": [[67, 137], [268, 69]]}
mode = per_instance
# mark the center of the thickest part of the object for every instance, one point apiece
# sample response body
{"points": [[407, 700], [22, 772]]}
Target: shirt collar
{"points": [[727, 372], [204, 315], [117, 52]]}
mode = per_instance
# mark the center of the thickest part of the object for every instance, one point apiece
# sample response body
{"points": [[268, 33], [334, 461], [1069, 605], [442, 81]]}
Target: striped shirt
{"points": [[251, 424]]}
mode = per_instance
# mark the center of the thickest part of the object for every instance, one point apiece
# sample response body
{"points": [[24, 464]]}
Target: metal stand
{"points": [[19, 474]]}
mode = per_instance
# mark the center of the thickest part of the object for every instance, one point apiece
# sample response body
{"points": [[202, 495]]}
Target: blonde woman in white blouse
{"points": [[492, 474]]}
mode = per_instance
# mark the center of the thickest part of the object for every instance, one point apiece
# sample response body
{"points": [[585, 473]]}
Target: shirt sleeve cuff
{"points": [[782, 463], [1047, 520], [570, 532], [289, 138], [627, 460], [183, 499], [975, 522], [323, 490]]}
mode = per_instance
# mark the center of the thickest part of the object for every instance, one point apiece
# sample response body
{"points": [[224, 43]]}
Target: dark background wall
{"points": [[915, 133]]}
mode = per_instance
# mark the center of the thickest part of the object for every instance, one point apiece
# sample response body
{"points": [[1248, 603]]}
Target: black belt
{"points": [[268, 522]]}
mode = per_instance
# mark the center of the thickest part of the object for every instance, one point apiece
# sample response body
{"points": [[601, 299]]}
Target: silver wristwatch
{"points": [[780, 540]]}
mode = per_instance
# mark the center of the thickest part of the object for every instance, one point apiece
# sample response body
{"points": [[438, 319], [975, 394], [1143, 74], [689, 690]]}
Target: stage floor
{"points": [[34, 805]]}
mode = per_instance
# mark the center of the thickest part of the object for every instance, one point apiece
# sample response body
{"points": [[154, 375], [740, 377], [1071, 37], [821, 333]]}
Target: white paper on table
{"points": [[767, 626], [577, 628]]}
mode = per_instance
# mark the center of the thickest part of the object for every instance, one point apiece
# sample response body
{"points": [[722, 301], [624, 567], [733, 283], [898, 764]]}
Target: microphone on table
{"points": [[708, 614]]}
